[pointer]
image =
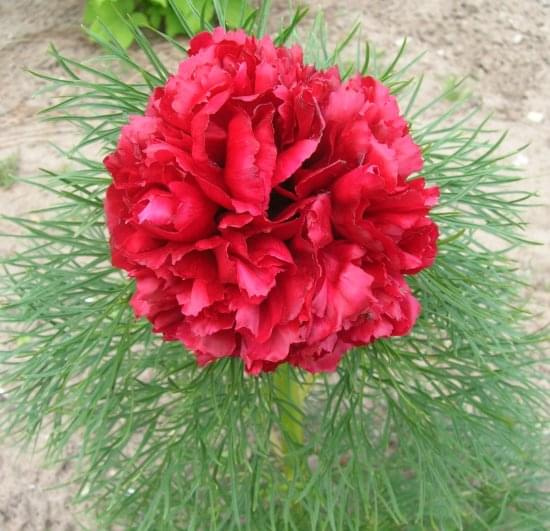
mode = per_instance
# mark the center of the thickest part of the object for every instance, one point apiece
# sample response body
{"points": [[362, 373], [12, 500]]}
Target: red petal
{"points": [[202, 295], [266, 76], [255, 281], [194, 217], [115, 210], [312, 180], [384, 158], [292, 158], [158, 209], [218, 345], [266, 158], [319, 229], [200, 41], [241, 173], [409, 157]]}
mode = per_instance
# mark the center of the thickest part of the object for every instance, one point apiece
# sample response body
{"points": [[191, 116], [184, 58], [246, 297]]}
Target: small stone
{"points": [[146, 376], [313, 462], [535, 117], [521, 160], [441, 52], [517, 38]]}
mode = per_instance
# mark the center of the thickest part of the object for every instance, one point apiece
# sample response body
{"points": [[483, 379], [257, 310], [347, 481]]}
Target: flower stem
{"points": [[290, 394]]}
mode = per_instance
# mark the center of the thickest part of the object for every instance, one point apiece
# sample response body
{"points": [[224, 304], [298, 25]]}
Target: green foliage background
{"points": [[443, 429], [107, 18]]}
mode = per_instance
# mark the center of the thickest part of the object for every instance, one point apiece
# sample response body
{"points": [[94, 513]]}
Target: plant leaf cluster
{"points": [[108, 17]]}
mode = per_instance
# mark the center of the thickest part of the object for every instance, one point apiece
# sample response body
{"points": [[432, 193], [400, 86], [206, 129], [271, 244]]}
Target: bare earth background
{"points": [[503, 45]]}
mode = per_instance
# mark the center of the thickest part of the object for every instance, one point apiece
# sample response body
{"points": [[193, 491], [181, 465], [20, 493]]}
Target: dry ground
{"points": [[501, 44]]}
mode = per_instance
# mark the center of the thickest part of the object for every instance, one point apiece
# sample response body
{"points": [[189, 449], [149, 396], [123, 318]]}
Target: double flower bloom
{"points": [[264, 208]]}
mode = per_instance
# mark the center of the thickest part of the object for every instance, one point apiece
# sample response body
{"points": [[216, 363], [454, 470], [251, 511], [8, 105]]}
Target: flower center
{"points": [[278, 201]]}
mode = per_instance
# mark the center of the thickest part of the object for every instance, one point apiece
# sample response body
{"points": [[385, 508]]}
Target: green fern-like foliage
{"points": [[442, 429]]}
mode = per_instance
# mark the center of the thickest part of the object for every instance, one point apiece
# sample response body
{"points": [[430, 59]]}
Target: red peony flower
{"points": [[264, 208]]}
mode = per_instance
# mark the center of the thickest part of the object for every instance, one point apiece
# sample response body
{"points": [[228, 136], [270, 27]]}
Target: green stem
{"points": [[290, 395]]}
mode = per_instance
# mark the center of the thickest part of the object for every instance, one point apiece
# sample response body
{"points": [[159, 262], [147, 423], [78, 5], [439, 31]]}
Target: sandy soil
{"points": [[499, 44]]}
